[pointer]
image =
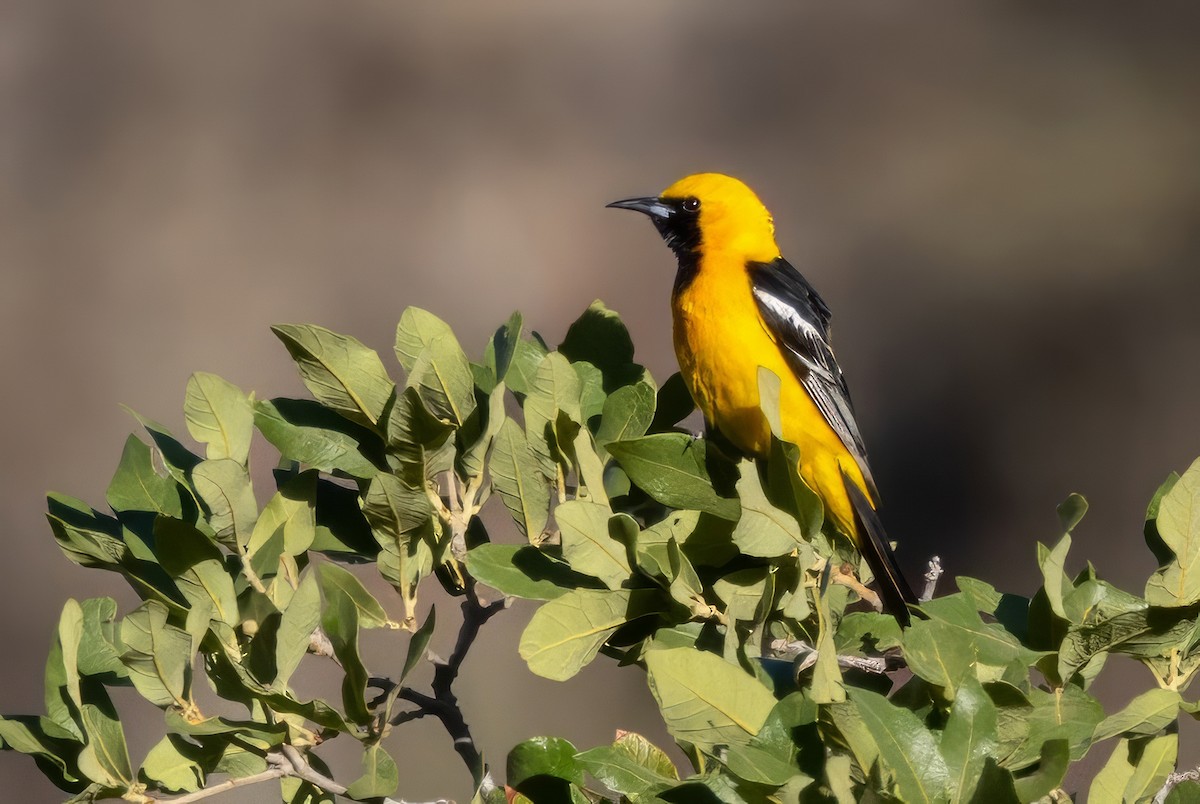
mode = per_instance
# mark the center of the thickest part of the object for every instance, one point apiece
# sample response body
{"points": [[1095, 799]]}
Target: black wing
{"points": [[798, 320]]}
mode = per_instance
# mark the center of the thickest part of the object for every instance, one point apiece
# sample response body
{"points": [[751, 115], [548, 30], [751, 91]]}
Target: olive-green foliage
{"points": [[716, 578]]}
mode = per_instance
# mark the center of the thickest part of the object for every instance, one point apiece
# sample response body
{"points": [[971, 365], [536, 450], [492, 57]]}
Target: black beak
{"points": [[656, 208]]}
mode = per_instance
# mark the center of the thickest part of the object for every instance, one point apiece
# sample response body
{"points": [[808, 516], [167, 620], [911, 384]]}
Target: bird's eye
{"points": [[691, 204]]}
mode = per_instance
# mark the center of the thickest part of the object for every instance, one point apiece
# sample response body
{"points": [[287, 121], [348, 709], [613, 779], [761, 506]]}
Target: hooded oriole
{"points": [[738, 305]]}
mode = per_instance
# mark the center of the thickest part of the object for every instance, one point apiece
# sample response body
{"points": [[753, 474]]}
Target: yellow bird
{"points": [[737, 305]]}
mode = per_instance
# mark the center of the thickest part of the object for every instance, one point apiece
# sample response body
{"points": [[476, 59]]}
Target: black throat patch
{"points": [[681, 232]]}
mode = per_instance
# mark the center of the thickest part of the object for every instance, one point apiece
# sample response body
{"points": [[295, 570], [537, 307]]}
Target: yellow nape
{"points": [[732, 219]]}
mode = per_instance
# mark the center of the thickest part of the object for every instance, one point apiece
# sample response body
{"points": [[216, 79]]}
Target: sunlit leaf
{"points": [[671, 468], [517, 480], [566, 633], [339, 370], [219, 415], [706, 700]]}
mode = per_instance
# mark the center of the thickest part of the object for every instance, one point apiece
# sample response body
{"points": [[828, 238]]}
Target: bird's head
{"points": [[713, 212]]}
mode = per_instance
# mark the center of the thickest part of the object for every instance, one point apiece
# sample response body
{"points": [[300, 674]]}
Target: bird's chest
{"points": [[720, 342]]}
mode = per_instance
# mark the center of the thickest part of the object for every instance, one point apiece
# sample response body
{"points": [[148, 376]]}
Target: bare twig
{"points": [[1176, 778], [443, 704], [806, 657], [287, 761], [932, 574], [248, 571], [230, 784]]}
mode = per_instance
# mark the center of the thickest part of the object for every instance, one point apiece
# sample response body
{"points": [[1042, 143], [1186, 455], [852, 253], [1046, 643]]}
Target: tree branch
{"points": [[287, 761], [1176, 778], [868, 664], [932, 574], [443, 703], [230, 784]]}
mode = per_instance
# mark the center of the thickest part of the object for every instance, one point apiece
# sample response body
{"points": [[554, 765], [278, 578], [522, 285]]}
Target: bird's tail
{"points": [[877, 550]]}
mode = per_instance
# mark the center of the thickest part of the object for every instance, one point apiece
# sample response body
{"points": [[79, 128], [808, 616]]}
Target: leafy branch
{"points": [[748, 614]]}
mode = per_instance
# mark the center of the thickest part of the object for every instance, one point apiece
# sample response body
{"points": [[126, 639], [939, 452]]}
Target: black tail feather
{"points": [[877, 550]]}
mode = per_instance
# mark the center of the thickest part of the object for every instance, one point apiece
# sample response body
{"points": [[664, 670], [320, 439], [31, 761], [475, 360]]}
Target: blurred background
{"points": [[999, 201]]}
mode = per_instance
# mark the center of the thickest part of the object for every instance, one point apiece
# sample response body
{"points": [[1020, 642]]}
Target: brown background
{"points": [[999, 201]]}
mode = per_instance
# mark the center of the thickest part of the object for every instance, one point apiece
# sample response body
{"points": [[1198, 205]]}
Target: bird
{"points": [[738, 305]]}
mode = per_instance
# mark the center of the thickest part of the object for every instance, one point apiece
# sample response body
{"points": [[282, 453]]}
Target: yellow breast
{"points": [[720, 342]]}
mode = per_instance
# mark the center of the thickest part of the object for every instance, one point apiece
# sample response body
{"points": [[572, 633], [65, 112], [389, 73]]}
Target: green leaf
{"points": [[292, 511], [380, 776], [97, 651], [627, 414], [298, 791], [158, 655], [566, 633], [1155, 759], [599, 337], [197, 566], [645, 753], [522, 371], [939, 653], [1067, 713], [472, 458], [706, 700], [171, 765], [754, 764], [686, 587], [393, 508], [906, 748], [178, 460], [1052, 767], [400, 516], [336, 581], [419, 440], [556, 389], [591, 390], [417, 645], [968, 739], [517, 480], [340, 371], [788, 491], [764, 530], [416, 331], [741, 591], [671, 468], [1178, 524], [1109, 784], [587, 544], [827, 685], [522, 571], [442, 378], [1057, 584], [621, 773], [503, 346], [543, 756], [87, 537], [1071, 511], [219, 415], [673, 404], [993, 646], [56, 756], [340, 620], [312, 435], [589, 466], [298, 622], [105, 757], [137, 487], [224, 488], [1147, 714]]}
